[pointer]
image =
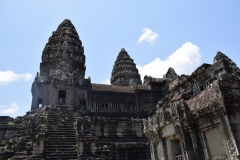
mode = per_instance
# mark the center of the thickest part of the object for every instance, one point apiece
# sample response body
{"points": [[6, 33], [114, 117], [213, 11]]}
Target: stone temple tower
{"points": [[72, 118], [62, 66], [193, 116], [63, 50], [124, 70]]}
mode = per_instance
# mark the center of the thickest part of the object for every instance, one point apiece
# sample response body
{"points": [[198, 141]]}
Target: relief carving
{"points": [[232, 148], [63, 74]]}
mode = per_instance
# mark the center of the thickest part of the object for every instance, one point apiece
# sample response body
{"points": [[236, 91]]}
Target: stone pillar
{"points": [[157, 146], [194, 143], [136, 102], [169, 151], [183, 143], [152, 150], [161, 150]]}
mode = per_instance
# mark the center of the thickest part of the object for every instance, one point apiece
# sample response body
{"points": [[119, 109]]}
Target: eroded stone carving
{"points": [[197, 102]]}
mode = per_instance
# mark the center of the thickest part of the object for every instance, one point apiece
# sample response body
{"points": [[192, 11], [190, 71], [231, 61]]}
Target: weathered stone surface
{"points": [[124, 71], [188, 116], [203, 110], [72, 118]]}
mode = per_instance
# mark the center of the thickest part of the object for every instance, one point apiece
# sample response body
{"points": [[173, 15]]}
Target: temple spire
{"points": [[63, 51], [124, 70], [219, 56]]}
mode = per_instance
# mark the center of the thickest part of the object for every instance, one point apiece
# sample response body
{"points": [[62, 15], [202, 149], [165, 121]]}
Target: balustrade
{"points": [[179, 157]]}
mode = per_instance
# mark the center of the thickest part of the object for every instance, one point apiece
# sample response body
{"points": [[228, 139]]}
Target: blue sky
{"points": [[157, 34]]}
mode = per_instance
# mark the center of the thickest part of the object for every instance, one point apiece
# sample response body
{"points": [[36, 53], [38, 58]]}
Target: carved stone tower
{"points": [[64, 50], [62, 67], [124, 70]]}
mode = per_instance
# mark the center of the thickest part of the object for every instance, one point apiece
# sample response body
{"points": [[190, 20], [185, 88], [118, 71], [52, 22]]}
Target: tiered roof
{"points": [[124, 70], [64, 46]]}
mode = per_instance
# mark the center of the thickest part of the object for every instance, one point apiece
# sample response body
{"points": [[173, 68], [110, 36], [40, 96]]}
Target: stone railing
{"points": [[179, 157]]}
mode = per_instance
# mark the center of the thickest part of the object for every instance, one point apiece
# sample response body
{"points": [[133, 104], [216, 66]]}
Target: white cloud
{"points": [[13, 108], [7, 77], [148, 35], [107, 81], [184, 61]]}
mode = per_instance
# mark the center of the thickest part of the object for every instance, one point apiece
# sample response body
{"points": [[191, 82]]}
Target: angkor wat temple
{"points": [[170, 118]]}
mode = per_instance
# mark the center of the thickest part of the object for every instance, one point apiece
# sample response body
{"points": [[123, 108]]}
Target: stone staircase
{"points": [[61, 140]]}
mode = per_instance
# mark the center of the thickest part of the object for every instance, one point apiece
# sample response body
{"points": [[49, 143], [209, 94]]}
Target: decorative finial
{"points": [[66, 19], [219, 56]]}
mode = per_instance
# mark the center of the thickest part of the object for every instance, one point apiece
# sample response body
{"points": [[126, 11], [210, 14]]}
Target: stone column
{"points": [[194, 143], [161, 150], [152, 149], [157, 146], [136, 102], [183, 143]]}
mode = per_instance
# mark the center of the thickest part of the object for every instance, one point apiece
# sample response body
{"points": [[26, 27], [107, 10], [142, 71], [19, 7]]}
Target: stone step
{"points": [[61, 143], [53, 131], [69, 129], [60, 133], [62, 127], [67, 141], [60, 146], [60, 120], [51, 115], [70, 125], [61, 154], [66, 136], [64, 111], [70, 139], [61, 116], [65, 128], [60, 138], [73, 152], [59, 150], [59, 123], [62, 158], [62, 130]]}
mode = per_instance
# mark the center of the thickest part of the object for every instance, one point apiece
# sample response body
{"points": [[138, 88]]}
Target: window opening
{"points": [[210, 85], [62, 96], [39, 103], [176, 149]]}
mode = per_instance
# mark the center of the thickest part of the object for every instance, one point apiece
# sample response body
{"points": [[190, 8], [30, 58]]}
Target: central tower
{"points": [[61, 70], [63, 58]]}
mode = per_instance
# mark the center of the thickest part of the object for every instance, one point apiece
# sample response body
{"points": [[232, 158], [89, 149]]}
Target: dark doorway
{"points": [[62, 97], [83, 104]]}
